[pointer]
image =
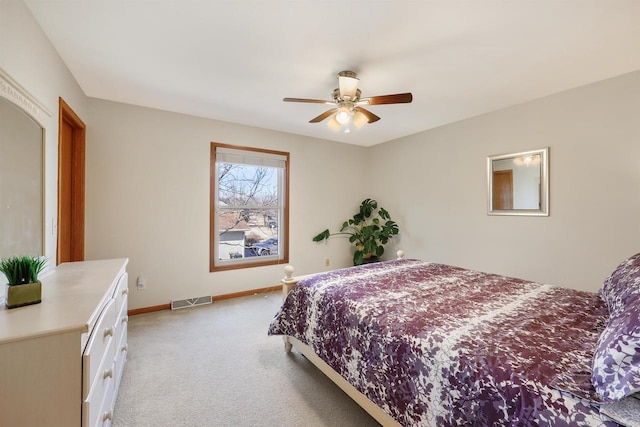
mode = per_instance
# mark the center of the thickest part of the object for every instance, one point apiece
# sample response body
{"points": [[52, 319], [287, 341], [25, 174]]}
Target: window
{"points": [[249, 207]]}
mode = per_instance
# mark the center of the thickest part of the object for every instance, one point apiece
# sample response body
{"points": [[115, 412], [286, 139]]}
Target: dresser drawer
{"points": [[100, 349], [121, 291], [122, 345], [121, 359], [97, 408], [121, 321]]}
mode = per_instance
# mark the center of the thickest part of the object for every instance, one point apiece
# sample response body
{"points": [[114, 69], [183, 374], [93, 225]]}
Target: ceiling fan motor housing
{"points": [[347, 74], [337, 98], [348, 85]]}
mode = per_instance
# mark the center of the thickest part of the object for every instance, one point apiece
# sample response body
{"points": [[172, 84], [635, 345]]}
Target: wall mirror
{"points": [[21, 171], [518, 183]]}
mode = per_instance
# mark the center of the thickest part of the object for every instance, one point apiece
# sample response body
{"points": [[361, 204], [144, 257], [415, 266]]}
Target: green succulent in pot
{"points": [[23, 287], [369, 230]]}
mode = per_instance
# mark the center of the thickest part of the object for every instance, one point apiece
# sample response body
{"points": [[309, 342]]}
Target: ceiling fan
{"points": [[348, 105]]}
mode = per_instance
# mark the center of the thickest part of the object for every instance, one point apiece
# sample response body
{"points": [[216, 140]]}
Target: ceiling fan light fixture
{"points": [[343, 115], [333, 123], [359, 119]]}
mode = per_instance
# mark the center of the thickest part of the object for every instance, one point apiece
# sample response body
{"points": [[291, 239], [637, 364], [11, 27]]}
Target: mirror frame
{"points": [[13, 92], [544, 184]]}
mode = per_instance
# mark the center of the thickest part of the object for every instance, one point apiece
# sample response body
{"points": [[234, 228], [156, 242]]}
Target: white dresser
{"points": [[61, 361]]}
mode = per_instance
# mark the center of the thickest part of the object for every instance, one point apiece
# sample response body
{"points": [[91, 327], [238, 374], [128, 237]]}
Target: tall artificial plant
{"points": [[369, 229]]}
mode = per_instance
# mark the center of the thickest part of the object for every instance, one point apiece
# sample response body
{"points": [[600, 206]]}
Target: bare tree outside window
{"points": [[253, 189]]}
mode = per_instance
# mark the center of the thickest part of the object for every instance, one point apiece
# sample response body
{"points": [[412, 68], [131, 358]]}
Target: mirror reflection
{"points": [[21, 183], [518, 183]]}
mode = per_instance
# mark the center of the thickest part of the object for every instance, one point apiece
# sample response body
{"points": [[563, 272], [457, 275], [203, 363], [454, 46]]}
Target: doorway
{"points": [[71, 165], [503, 189]]}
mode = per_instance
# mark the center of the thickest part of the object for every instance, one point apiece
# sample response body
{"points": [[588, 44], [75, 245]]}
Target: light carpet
{"points": [[214, 365]]}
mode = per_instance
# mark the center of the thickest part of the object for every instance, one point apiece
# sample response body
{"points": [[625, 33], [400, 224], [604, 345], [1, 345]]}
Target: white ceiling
{"points": [[235, 60]]}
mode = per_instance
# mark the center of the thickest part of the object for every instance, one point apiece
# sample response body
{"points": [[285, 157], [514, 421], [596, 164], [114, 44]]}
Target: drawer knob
{"points": [[109, 332], [124, 347], [107, 374], [125, 291], [107, 416], [125, 319]]}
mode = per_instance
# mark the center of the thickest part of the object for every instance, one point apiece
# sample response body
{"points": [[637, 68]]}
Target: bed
{"points": [[417, 343]]}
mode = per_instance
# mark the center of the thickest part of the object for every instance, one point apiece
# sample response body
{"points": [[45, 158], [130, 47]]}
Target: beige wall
{"points": [[148, 199], [435, 184], [29, 58]]}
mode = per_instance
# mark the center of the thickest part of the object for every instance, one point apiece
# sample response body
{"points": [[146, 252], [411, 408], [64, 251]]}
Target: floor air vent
{"points": [[190, 302]]}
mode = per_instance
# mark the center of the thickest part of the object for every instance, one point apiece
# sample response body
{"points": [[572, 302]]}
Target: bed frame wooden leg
{"points": [[287, 284], [287, 344]]}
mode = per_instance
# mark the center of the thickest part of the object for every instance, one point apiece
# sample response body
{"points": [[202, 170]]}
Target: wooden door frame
{"points": [[66, 114]]}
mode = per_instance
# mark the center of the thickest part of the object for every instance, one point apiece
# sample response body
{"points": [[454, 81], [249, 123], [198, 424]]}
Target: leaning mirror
{"points": [[518, 183], [21, 170]]}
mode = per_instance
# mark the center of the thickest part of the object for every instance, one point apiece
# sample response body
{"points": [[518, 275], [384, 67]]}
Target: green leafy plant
{"points": [[20, 270], [369, 229]]}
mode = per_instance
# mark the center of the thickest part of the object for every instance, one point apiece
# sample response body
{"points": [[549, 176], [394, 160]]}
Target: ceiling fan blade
{"points": [[370, 116], [322, 116], [398, 98], [313, 101]]}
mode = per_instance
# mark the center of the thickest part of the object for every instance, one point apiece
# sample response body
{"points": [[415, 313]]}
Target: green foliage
{"points": [[369, 230], [20, 270]]}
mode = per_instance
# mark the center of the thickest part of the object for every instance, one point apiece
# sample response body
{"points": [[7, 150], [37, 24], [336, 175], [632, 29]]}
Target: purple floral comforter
{"points": [[436, 345]]}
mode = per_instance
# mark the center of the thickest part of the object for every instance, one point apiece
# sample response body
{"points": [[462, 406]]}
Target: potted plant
{"points": [[369, 229], [23, 287]]}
